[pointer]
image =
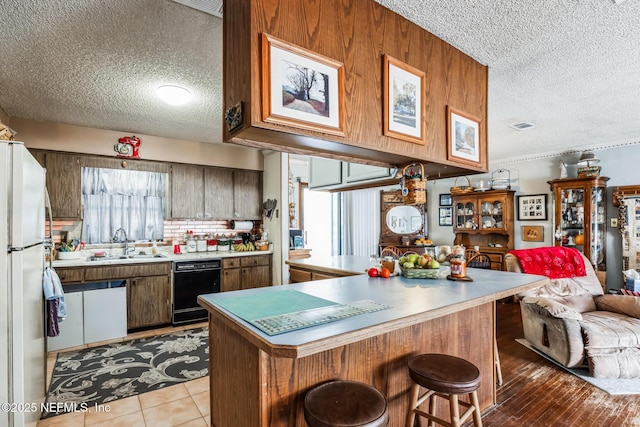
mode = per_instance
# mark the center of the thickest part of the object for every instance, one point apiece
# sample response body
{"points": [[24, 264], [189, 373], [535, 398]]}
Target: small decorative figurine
{"points": [[563, 170]]}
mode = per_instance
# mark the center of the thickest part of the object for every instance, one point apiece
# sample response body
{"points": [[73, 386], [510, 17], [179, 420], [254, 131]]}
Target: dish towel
{"points": [[54, 295]]}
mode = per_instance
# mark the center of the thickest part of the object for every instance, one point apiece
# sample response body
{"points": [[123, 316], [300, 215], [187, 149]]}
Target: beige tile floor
{"points": [[185, 405]]}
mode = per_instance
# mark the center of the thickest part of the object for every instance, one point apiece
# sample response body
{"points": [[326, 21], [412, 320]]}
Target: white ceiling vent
{"points": [[212, 7], [523, 126]]}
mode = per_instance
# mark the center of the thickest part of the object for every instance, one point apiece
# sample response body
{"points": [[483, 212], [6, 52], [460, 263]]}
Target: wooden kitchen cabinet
{"points": [[148, 301], [485, 219], [580, 216], [246, 272], [215, 193], [148, 288], [247, 195], [187, 191], [218, 191], [64, 185]]}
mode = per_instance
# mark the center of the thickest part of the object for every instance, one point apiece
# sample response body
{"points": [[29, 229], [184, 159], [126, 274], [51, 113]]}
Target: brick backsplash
{"points": [[173, 230]]}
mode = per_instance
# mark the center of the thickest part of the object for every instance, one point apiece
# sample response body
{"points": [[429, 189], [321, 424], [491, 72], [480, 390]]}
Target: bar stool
{"points": [[345, 404], [446, 377]]}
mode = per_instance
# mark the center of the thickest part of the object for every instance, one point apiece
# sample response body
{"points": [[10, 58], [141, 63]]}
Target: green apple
{"points": [[433, 264], [408, 265], [413, 258]]}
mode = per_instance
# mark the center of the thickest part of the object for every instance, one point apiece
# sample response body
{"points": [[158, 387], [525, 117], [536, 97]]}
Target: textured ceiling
{"points": [[572, 68]]}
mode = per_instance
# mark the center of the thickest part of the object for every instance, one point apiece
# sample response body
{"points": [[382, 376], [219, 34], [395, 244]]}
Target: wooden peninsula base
{"points": [[251, 388], [259, 380]]}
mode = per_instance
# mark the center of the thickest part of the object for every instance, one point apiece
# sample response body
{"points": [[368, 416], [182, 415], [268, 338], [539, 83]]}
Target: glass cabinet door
{"points": [[598, 230], [465, 212], [572, 223], [491, 214]]}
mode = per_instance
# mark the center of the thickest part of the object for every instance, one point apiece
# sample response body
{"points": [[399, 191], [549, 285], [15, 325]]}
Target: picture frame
{"points": [[445, 215], [403, 101], [532, 208], [446, 199], [532, 233], [464, 144], [301, 88]]}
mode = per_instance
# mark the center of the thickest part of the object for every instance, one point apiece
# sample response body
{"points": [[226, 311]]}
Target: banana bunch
{"points": [[244, 247]]}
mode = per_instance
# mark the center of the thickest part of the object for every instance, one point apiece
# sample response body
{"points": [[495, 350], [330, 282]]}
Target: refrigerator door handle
{"points": [[48, 241]]}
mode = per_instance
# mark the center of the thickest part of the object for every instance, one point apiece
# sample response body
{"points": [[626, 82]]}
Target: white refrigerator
{"points": [[22, 327]]}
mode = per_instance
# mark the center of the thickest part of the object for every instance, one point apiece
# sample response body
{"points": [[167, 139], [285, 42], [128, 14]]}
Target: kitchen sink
{"points": [[124, 257]]}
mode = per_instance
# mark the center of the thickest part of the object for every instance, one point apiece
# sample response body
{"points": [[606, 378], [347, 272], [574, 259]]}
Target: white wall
{"points": [[275, 186], [620, 164]]}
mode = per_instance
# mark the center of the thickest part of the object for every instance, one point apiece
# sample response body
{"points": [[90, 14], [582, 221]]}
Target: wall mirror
{"points": [[404, 219], [398, 220]]}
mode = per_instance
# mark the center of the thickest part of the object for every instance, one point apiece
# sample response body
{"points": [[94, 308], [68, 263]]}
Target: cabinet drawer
{"points": [[322, 276], [230, 262], [250, 261], [298, 276], [70, 275], [127, 271]]}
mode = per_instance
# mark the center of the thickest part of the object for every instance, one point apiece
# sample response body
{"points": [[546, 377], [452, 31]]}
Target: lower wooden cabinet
{"points": [[299, 275], [148, 301], [246, 272], [148, 288]]}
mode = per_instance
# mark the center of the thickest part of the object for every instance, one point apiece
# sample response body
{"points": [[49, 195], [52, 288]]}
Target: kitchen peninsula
{"points": [[258, 379]]}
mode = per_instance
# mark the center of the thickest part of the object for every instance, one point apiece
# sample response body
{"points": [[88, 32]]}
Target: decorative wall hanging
{"points": [[128, 146], [446, 199], [403, 103], [233, 117], [532, 208], [463, 137], [446, 216], [532, 233], [301, 88]]}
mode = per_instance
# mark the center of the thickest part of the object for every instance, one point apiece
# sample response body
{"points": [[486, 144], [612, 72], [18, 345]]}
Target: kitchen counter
{"points": [[426, 315], [168, 257], [340, 265]]}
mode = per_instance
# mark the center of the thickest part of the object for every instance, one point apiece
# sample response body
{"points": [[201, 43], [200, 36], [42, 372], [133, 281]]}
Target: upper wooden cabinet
{"points": [[215, 193], [247, 195], [218, 193], [580, 216], [357, 34], [485, 219], [64, 185]]}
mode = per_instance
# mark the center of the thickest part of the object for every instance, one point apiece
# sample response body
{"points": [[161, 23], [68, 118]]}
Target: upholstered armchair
{"points": [[570, 319]]}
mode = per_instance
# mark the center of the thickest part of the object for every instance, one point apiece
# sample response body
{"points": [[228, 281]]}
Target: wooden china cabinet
{"points": [[580, 208], [485, 219]]}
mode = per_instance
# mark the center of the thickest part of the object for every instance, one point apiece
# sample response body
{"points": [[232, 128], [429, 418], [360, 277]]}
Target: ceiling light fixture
{"points": [[174, 95]]}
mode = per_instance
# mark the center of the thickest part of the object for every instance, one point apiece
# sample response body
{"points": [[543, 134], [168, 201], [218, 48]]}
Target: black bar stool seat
{"points": [[446, 377], [343, 403]]}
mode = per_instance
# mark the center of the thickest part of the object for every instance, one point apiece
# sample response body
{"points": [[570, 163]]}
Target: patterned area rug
{"points": [[612, 386], [100, 375]]}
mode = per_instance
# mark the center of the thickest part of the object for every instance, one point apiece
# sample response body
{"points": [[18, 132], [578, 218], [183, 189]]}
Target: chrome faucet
{"points": [[117, 239]]}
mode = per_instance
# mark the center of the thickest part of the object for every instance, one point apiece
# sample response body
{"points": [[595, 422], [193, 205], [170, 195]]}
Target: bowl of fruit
{"points": [[415, 266]]}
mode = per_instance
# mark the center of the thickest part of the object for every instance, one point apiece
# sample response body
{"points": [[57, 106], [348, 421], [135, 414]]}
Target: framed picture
{"points": [[532, 233], [463, 138], [532, 208], [446, 216], [446, 200], [301, 88], [403, 102]]}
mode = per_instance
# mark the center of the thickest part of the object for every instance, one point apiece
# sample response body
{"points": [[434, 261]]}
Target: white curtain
{"points": [[360, 222], [132, 200]]}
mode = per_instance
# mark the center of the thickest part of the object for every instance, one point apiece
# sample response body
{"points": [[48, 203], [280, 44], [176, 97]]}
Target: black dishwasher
{"points": [[190, 279]]}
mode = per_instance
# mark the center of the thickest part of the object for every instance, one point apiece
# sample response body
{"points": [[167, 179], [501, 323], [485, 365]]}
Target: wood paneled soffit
{"points": [[356, 34]]}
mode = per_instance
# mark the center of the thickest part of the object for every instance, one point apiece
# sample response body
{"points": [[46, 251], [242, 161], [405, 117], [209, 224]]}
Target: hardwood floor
{"points": [[535, 392]]}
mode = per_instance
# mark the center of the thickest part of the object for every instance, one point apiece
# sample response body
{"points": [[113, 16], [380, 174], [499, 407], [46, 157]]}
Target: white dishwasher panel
{"points": [[71, 329], [105, 314]]}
